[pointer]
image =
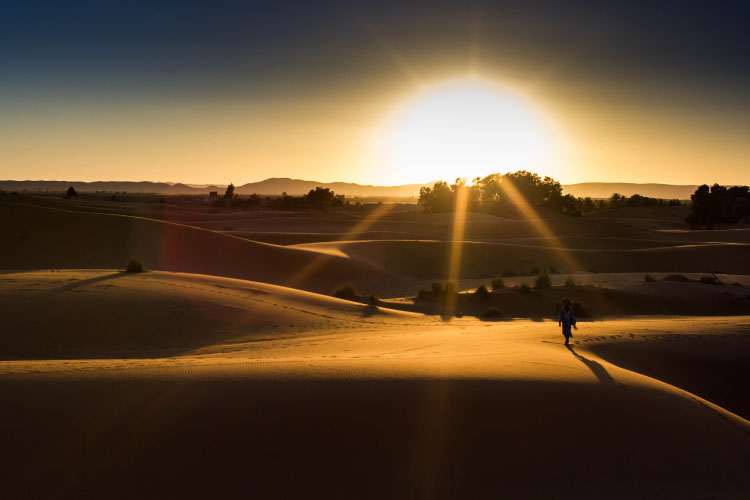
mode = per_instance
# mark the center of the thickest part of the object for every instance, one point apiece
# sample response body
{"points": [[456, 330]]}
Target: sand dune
{"points": [[115, 314], [424, 259], [170, 384], [45, 238], [371, 407]]}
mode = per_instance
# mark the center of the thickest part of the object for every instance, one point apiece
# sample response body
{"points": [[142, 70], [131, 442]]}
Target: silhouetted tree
{"points": [[718, 204], [741, 209], [71, 192], [320, 198], [439, 198], [229, 193], [615, 200], [736, 202], [254, 202]]}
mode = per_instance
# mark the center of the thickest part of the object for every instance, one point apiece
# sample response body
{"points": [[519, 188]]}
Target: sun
{"points": [[466, 129]]}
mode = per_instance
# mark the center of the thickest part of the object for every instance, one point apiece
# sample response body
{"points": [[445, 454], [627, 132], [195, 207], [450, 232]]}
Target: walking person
{"points": [[567, 319]]}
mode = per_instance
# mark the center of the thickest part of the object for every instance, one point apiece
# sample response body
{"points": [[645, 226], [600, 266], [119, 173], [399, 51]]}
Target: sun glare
{"points": [[466, 129]]}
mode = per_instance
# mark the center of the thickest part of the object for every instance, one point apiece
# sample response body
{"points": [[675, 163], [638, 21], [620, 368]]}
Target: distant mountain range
{"points": [[272, 186], [276, 186], [605, 190]]}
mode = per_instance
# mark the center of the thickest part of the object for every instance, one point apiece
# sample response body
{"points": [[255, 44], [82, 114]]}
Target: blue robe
{"points": [[568, 319]]}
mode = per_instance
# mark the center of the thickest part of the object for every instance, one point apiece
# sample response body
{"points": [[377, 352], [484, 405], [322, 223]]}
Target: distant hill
{"points": [[273, 186], [107, 186], [605, 190], [276, 186]]}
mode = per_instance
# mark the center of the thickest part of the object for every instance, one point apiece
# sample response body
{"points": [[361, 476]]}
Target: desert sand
{"points": [[227, 370]]}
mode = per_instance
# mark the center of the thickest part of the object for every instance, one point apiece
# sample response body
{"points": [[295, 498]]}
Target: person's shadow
{"points": [[597, 369]]}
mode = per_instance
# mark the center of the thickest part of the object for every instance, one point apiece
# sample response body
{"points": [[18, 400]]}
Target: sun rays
{"points": [[321, 257]]}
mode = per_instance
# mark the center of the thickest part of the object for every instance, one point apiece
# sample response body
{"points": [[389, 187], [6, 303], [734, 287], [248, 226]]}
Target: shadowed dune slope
{"points": [[715, 368], [425, 259], [121, 437], [44, 238]]}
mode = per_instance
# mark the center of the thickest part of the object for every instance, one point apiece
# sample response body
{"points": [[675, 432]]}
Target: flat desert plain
{"points": [[228, 369]]}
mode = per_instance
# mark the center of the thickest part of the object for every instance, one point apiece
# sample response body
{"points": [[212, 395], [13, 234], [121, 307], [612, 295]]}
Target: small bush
{"points": [[346, 292], [493, 312], [436, 287], [542, 281], [71, 192], [569, 281], [498, 283], [482, 292], [508, 273], [524, 287], [649, 278], [134, 266], [535, 270], [423, 293], [450, 288], [374, 301]]}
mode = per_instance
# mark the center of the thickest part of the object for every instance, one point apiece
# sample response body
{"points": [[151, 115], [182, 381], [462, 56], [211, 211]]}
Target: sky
{"points": [[216, 92]]}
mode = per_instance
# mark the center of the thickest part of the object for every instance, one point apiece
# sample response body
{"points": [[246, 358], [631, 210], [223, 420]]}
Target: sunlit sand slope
{"points": [[362, 404], [78, 313]]}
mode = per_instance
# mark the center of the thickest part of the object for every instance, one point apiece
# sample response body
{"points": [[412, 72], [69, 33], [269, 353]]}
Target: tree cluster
{"points": [[617, 200], [719, 204], [318, 198], [499, 195]]}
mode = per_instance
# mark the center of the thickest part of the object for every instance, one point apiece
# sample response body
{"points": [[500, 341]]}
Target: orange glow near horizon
{"points": [[395, 135]]}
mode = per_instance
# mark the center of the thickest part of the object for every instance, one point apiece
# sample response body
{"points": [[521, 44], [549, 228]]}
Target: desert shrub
{"points": [[450, 288], [542, 281], [482, 292], [524, 287], [71, 192], [569, 281], [535, 270], [676, 277], [346, 292], [134, 266], [374, 300], [498, 283], [649, 278], [552, 270], [436, 287], [493, 312], [423, 293], [508, 273]]}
